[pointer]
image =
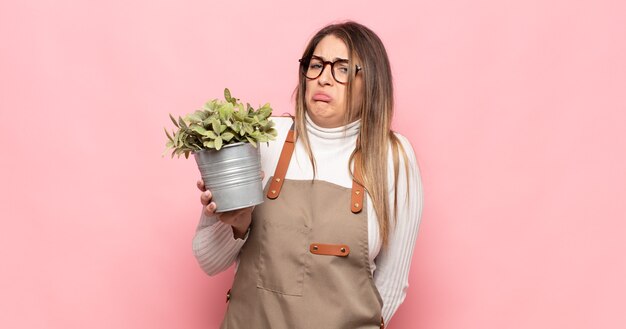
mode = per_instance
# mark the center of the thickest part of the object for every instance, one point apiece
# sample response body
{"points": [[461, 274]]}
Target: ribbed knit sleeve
{"points": [[214, 245], [394, 262]]}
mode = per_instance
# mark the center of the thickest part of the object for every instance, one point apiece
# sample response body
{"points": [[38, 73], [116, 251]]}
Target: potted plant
{"points": [[223, 137]]}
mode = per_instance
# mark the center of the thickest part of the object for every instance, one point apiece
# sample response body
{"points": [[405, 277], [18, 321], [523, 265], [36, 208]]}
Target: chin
{"points": [[321, 107], [325, 120], [322, 114]]}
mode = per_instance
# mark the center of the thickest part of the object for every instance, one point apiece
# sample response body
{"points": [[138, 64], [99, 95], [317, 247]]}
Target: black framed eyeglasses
{"points": [[340, 69]]}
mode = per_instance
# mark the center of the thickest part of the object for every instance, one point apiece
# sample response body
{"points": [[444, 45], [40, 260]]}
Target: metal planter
{"points": [[233, 174]]}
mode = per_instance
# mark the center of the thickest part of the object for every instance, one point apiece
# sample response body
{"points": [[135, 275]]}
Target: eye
{"points": [[342, 68], [315, 66]]}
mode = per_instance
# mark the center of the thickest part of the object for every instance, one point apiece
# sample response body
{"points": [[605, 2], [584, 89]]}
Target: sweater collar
{"points": [[349, 130]]}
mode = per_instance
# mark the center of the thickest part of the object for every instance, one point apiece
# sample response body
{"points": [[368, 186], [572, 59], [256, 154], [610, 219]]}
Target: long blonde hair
{"points": [[376, 112]]}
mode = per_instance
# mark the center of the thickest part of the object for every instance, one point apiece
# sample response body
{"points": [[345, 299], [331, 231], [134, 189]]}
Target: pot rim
{"points": [[223, 147]]}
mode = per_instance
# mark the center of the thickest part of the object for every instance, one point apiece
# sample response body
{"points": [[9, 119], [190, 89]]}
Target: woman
{"points": [[331, 245]]}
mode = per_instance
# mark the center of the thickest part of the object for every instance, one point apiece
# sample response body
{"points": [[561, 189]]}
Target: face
{"points": [[325, 97]]}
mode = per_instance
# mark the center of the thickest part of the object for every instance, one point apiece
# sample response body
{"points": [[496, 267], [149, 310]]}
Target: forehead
{"points": [[331, 48]]}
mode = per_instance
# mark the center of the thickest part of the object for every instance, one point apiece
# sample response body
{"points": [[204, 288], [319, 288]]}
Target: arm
{"points": [[214, 244], [394, 262]]}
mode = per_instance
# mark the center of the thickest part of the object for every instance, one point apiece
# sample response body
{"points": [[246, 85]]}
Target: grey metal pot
{"points": [[233, 174]]}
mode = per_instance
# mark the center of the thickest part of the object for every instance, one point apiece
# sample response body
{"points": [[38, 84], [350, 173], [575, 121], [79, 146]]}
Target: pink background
{"points": [[516, 110]]}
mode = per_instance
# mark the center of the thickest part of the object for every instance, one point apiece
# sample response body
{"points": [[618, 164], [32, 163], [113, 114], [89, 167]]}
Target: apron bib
{"points": [[305, 264]]}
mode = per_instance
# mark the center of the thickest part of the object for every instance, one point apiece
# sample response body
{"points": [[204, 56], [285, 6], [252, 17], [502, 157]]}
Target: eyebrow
{"points": [[334, 59]]}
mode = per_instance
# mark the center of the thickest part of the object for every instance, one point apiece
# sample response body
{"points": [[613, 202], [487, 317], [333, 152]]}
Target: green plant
{"points": [[220, 123]]}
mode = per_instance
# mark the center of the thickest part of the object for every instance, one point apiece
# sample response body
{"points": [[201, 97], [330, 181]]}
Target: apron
{"points": [[305, 263]]}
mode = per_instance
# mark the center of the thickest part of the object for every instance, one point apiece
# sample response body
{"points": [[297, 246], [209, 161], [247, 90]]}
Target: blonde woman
{"points": [[331, 245]]}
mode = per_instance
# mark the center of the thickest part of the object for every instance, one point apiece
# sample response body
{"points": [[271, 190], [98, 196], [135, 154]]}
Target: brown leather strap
{"points": [[356, 203], [341, 250], [283, 163]]}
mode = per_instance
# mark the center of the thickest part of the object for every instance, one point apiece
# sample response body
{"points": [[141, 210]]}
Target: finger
{"points": [[205, 197], [200, 185], [209, 210], [262, 174]]}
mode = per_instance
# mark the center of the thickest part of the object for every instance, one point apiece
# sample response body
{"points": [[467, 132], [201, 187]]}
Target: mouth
{"points": [[322, 97]]}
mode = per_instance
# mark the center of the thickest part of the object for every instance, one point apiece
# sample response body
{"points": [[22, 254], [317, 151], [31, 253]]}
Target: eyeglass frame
{"points": [[324, 63]]}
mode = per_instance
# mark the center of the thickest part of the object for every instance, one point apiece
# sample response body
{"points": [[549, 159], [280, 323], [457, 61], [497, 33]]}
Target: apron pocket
{"points": [[282, 258]]}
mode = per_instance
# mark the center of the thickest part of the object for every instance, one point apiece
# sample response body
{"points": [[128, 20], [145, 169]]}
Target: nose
{"points": [[326, 78]]}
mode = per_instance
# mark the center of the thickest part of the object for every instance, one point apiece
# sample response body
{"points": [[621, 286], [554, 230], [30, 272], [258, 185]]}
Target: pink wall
{"points": [[516, 110]]}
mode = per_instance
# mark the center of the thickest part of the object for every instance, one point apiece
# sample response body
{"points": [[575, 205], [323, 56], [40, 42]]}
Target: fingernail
{"points": [[207, 193]]}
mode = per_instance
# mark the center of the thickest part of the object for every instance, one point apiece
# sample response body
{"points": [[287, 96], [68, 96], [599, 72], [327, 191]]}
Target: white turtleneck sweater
{"points": [[216, 248]]}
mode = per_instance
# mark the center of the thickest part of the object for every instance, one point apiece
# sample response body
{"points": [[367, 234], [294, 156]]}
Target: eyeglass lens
{"points": [[339, 69]]}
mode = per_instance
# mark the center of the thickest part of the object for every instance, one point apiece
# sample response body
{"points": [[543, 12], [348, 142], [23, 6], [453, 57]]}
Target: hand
{"points": [[239, 219]]}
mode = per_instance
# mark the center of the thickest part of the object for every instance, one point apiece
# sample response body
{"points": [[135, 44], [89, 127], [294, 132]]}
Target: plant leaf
{"points": [[236, 127], [227, 136], [265, 112], [200, 130], [168, 135], [209, 144], [210, 134], [248, 128], [227, 95], [226, 111], [251, 141], [181, 122], [194, 117], [210, 106], [218, 143], [174, 121]]}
